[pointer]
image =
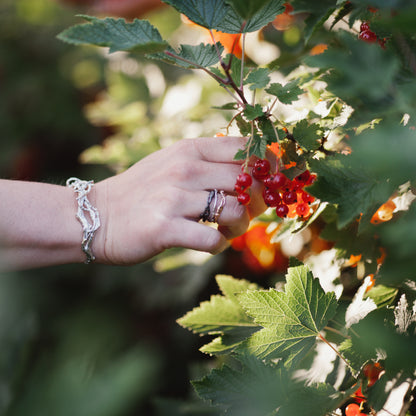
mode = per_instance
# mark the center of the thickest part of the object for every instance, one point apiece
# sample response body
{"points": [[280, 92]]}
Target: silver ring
{"points": [[218, 209], [215, 205], [206, 214]]}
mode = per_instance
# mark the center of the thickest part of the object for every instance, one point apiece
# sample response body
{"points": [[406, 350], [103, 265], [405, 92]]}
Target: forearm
{"points": [[38, 225]]}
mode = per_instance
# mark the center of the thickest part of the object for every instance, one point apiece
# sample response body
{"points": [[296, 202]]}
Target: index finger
{"points": [[219, 149]]}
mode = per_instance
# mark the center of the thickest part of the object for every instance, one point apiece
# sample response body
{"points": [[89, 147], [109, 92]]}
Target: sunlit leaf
{"points": [[291, 320], [117, 34]]}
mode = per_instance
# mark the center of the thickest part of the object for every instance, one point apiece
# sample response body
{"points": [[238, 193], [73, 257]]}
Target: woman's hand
{"points": [[157, 203]]}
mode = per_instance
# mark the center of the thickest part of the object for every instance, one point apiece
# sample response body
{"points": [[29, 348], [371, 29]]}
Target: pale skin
{"points": [[152, 206]]}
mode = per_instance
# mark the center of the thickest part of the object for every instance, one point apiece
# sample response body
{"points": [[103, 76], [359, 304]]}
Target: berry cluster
{"points": [[367, 35], [287, 196]]}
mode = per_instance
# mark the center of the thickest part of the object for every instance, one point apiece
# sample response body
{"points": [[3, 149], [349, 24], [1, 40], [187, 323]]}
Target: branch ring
{"points": [[215, 204]]}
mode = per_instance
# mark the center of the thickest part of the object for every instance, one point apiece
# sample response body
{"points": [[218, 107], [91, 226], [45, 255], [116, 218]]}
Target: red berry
{"points": [[271, 198], [261, 169], [364, 26], [243, 198], [303, 177], [303, 209], [244, 180], [352, 410], [282, 210], [289, 197], [368, 36], [276, 181], [239, 189], [306, 197]]}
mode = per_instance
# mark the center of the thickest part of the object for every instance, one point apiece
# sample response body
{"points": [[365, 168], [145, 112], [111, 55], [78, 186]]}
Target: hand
{"points": [[157, 203]]}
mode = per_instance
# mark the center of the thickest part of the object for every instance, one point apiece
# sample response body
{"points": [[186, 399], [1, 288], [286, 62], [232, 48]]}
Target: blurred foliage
{"points": [[103, 340]]}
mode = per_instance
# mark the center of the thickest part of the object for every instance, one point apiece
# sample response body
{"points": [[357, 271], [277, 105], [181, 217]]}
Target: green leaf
{"points": [[217, 14], [317, 400], [191, 56], [256, 389], [318, 14], [221, 314], [208, 14], [266, 127], [258, 79], [234, 23], [117, 34], [291, 320], [224, 344], [253, 112], [258, 146], [247, 8], [352, 190], [382, 295], [307, 135], [243, 125], [355, 360], [285, 93]]}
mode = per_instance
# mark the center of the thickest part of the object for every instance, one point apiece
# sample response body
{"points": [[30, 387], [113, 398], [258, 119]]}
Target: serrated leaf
{"points": [[257, 389], [354, 191], [230, 286], [382, 295], [306, 135], [191, 56], [291, 320], [355, 360], [285, 93], [266, 127], [247, 8], [224, 344], [219, 15], [258, 78], [221, 314], [208, 14], [253, 112], [234, 23], [117, 34], [317, 400], [258, 146]]}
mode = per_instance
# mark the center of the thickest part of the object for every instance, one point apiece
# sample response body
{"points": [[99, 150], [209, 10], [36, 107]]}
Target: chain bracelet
{"points": [[89, 227]]}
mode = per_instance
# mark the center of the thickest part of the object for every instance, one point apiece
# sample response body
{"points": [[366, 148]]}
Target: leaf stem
{"points": [[335, 331], [221, 81], [322, 338]]}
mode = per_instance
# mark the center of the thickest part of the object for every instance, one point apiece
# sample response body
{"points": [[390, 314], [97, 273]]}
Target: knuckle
{"points": [[214, 242], [238, 211], [186, 170]]}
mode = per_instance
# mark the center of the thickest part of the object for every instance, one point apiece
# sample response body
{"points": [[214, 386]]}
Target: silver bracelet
{"points": [[82, 188]]}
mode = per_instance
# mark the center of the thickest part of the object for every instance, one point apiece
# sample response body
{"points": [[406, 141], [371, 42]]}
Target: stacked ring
{"points": [[217, 200]]}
